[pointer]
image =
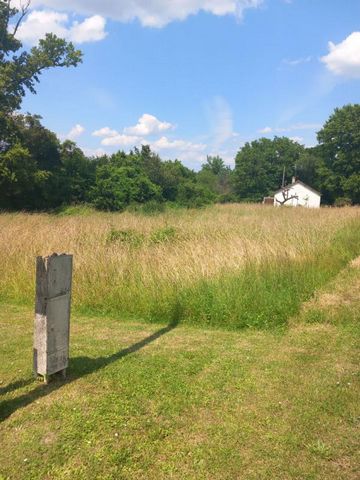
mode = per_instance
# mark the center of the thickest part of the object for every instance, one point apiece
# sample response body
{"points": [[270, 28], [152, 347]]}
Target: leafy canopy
{"points": [[340, 149], [20, 69], [259, 166]]}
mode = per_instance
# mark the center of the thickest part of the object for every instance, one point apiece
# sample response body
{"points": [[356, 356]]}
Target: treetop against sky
{"points": [[195, 77]]}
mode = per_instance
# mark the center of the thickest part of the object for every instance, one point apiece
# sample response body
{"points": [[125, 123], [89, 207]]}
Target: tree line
{"points": [[332, 166], [39, 172]]}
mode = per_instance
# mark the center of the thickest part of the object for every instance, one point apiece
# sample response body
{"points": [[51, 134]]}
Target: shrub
{"points": [[153, 207], [227, 198], [192, 195], [343, 202], [82, 210], [163, 235], [117, 187], [131, 237]]}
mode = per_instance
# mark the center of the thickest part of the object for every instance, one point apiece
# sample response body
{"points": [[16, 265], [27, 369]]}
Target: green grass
{"points": [[226, 267], [228, 300], [81, 210], [178, 402]]}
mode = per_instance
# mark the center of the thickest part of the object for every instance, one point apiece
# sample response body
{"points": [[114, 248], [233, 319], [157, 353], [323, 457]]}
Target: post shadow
{"points": [[15, 385], [79, 367]]}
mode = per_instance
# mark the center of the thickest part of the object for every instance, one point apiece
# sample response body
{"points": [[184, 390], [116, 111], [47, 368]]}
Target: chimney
{"points": [[294, 179]]}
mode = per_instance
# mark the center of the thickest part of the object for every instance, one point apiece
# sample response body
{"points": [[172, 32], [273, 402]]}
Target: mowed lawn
{"points": [[177, 402]]}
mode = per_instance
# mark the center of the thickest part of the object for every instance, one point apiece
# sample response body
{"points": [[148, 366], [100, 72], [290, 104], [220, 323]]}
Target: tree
{"points": [[42, 144], [29, 153], [41, 156], [259, 166], [214, 164], [217, 177], [193, 195], [19, 69], [77, 174], [286, 196], [307, 167], [340, 150], [150, 163], [19, 178], [116, 187], [174, 174]]}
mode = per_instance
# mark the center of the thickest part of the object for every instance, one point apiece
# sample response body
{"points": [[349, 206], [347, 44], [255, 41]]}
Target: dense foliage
{"points": [[260, 165], [38, 172], [340, 153], [332, 167]]}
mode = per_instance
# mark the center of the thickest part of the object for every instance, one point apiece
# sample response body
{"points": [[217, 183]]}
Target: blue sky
{"points": [[196, 77]]}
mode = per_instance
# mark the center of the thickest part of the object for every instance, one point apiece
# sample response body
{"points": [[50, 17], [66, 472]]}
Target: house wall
{"points": [[306, 197]]}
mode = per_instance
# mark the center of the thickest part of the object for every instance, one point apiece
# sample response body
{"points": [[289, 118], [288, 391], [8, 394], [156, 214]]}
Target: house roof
{"points": [[298, 182]]}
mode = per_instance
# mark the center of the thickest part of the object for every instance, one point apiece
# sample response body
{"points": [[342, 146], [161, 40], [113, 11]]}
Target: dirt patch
{"points": [[50, 438], [355, 263], [343, 291]]}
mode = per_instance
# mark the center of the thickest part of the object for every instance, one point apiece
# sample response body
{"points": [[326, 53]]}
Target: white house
{"points": [[297, 194]]}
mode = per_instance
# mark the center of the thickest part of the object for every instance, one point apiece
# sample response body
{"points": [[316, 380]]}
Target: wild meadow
{"points": [[211, 337], [177, 398], [225, 266]]}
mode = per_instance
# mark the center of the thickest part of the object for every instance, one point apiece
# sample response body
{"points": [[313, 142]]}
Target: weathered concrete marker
{"points": [[52, 314]]}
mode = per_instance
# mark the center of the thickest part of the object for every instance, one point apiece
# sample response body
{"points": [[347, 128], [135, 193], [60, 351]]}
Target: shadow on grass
{"points": [[79, 367], [16, 385]]}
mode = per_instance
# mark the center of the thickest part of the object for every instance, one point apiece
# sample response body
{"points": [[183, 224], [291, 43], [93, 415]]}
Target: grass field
{"points": [[146, 401], [219, 344], [200, 267]]}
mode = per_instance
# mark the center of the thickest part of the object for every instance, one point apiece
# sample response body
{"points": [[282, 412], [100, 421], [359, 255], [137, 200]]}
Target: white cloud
{"points": [[344, 58], [114, 138], [192, 154], [181, 145], [184, 150], [75, 132], [223, 121], [93, 152], [192, 159], [173, 148], [290, 128], [297, 61], [151, 13], [121, 140], [305, 126], [266, 130], [220, 117], [40, 22], [148, 125], [105, 132], [92, 29], [297, 139]]}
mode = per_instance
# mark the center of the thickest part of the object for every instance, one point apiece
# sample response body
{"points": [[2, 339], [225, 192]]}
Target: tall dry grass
{"points": [[179, 262]]}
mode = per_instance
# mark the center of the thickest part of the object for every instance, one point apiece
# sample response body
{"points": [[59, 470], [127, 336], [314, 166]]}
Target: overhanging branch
{"points": [[23, 12]]}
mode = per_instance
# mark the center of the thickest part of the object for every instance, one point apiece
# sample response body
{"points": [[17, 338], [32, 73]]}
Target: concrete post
{"points": [[52, 314]]}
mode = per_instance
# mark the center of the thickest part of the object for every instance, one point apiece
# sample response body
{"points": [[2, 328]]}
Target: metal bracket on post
{"points": [[52, 314]]}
